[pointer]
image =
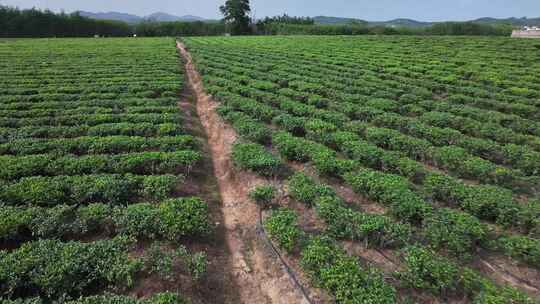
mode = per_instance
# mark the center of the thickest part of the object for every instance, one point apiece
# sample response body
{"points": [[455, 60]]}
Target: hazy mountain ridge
{"points": [[129, 18], [403, 22], [399, 22]]}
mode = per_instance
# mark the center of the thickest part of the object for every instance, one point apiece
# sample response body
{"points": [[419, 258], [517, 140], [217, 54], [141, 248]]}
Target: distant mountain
{"points": [[513, 21], [414, 23], [336, 20], [164, 17], [401, 22], [112, 16], [159, 16]]}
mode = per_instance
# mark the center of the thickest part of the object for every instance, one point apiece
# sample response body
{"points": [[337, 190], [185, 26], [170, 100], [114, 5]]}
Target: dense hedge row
{"points": [[170, 219], [97, 145], [123, 129], [137, 163], [161, 298], [86, 189], [52, 269], [90, 119]]}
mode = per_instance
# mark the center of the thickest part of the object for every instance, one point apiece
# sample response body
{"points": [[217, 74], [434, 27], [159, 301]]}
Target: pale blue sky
{"points": [[373, 10]]}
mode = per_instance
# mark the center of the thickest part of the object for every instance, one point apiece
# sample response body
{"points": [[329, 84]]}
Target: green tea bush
{"points": [[376, 230], [283, 228], [263, 195], [184, 217], [426, 270], [159, 298], [343, 276], [304, 189], [256, 158], [34, 267], [458, 232]]}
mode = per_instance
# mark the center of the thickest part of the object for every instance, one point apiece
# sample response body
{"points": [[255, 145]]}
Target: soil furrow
{"points": [[259, 277]]}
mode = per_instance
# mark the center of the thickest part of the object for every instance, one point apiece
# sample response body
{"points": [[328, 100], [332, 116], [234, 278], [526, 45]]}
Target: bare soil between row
{"points": [[258, 276]]}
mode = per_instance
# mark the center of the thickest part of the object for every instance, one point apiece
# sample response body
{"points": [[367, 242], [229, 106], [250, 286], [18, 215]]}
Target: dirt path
{"points": [[258, 275]]}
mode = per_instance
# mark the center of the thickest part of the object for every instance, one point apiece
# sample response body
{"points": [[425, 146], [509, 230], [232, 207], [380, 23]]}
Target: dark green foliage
{"points": [[343, 276], [137, 163], [256, 158], [236, 15], [521, 247], [159, 298], [458, 232], [86, 189], [184, 217], [247, 127], [304, 189], [35, 267], [376, 230], [293, 148], [426, 270], [171, 219], [263, 195], [393, 191], [159, 187], [36, 23], [282, 227]]}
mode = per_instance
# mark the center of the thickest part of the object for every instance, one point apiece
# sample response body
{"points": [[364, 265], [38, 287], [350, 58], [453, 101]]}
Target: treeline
{"points": [[197, 28], [36, 23], [470, 28], [444, 28]]}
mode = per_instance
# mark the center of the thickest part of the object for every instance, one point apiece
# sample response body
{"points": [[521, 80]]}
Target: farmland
{"points": [[438, 138], [97, 160], [374, 169]]}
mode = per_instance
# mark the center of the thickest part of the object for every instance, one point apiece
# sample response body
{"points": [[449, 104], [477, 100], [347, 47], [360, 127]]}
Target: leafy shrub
{"points": [[159, 187], [248, 127], [282, 227], [139, 220], [320, 131], [255, 157], [456, 231], [86, 189], [289, 123], [263, 194], [391, 190], [159, 298], [427, 270], [34, 267], [521, 247], [290, 147], [304, 189], [184, 217], [377, 230], [160, 261], [343, 276]]}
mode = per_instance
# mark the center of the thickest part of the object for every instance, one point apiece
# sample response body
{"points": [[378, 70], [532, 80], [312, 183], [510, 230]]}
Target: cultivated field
{"points": [[102, 187], [439, 138], [270, 170]]}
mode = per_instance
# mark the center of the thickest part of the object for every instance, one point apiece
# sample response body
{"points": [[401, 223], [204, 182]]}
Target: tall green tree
{"points": [[236, 15]]}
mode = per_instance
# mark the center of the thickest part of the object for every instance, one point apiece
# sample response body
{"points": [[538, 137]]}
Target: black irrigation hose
{"points": [[289, 270]]}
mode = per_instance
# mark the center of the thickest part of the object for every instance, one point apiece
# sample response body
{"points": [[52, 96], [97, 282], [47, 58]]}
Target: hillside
{"points": [[403, 22], [112, 16], [129, 18]]}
